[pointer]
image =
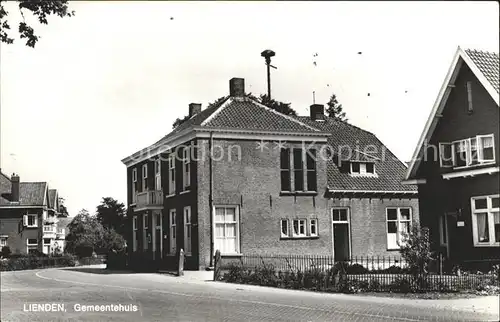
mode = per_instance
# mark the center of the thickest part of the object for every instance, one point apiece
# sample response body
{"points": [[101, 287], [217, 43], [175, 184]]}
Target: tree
{"points": [[283, 108], [111, 214], [334, 109], [85, 234], [40, 9]]}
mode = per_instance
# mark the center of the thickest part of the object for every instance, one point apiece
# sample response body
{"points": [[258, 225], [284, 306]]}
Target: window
{"points": [[158, 174], [470, 107], [187, 230], [31, 245], [362, 169], [285, 170], [186, 168], [467, 152], [3, 241], [339, 214], [304, 170], [173, 231], [486, 220], [134, 185], [227, 229], [60, 231], [48, 229], [299, 227], [145, 241], [171, 174], [298, 169], [313, 227], [46, 241], [30, 220], [144, 177], [134, 233], [311, 169], [398, 222], [284, 228]]}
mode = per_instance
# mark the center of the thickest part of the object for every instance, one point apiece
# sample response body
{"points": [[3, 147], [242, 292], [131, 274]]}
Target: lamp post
{"points": [[267, 54]]}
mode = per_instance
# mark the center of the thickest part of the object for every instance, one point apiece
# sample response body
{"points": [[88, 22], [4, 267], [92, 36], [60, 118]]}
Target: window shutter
{"points": [[25, 220]]}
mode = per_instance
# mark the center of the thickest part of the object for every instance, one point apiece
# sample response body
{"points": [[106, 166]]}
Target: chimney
{"points": [[15, 188], [317, 112], [194, 108], [237, 87]]}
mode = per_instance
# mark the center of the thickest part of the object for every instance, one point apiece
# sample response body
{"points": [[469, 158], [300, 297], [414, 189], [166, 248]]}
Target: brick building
{"points": [[456, 162], [29, 216], [273, 184]]}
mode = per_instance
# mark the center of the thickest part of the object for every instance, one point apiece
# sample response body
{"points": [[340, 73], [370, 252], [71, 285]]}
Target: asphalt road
{"points": [[167, 298]]}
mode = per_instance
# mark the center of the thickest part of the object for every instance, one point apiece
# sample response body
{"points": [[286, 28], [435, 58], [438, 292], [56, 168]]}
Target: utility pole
{"points": [[267, 54]]}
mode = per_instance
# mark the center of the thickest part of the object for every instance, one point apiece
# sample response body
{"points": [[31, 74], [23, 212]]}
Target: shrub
{"points": [[373, 285], [356, 269], [417, 249], [401, 285]]}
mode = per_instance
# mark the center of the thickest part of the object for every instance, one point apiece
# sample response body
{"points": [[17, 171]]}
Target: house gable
{"points": [[483, 67]]}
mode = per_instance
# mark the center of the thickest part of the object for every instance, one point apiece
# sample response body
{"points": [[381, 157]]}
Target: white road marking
{"points": [[226, 299]]}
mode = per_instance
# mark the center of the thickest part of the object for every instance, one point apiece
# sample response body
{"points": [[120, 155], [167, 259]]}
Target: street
{"points": [[167, 298]]}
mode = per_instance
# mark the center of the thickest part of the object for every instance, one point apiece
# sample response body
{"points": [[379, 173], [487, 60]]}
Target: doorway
{"points": [[157, 235], [341, 234]]}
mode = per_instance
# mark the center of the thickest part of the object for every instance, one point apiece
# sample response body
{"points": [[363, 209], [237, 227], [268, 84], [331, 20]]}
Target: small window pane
{"points": [[285, 180], [336, 214], [496, 221], [285, 159], [311, 181], [313, 226], [230, 214], [284, 227], [343, 214], [355, 167], [299, 180], [392, 227], [495, 202], [296, 227], [482, 228], [392, 214], [297, 159], [405, 213], [481, 203], [219, 214], [311, 159], [370, 168]]}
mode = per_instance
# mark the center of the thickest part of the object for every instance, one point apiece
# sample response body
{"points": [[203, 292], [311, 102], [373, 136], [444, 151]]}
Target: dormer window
{"points": [[363, 169]]}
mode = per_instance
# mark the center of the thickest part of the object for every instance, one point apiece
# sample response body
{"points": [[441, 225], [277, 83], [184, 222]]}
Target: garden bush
{"points": [[23, 262]]}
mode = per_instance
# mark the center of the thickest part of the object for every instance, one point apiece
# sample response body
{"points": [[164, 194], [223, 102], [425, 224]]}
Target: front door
{"points": [[341, 234]]}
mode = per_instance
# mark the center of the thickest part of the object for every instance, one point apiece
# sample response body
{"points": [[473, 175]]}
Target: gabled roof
{"points": [[30, 193], [235, 113], [352, 143], [485, 66]]}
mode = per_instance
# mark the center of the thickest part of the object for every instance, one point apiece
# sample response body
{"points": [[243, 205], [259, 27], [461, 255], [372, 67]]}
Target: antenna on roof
{"points": [[314, 97], [267, 54]]}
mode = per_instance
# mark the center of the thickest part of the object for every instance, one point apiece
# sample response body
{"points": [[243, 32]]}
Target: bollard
{"points": [[217, 264], [180, 271]]}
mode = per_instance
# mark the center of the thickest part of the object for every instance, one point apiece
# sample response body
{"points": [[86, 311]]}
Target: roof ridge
{"points": [[289, 117], [481, 51]]}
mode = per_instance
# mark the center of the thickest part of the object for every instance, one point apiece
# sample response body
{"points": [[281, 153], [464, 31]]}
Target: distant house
{"points": [[266, 188], [29, 213], [456, 161]]}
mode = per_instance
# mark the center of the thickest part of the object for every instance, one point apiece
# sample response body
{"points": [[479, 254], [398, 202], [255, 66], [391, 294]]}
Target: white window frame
{"points": [[313, 222], [158, 174], [301, 222], [3, 241], [188, 236], [134, 185], [362, 170], [489, 211], [172, 232], [134, 233], [26, 220], [171, 174], [145, 241], [31, 246], [398, 220], [347, 222], [186, 167], [236, 222], [287, 225], [468, 142], [144, 176]]}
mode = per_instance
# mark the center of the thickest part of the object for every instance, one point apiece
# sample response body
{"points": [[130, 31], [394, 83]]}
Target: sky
{"points": [[111, 80]]}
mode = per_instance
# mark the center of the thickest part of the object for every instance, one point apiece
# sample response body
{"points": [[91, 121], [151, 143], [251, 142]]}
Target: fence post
{"points": [[440, 264], [180, 271], [217, 265]]}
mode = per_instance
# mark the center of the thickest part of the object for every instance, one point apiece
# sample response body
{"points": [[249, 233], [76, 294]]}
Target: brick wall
{"points": [[10, 222]]}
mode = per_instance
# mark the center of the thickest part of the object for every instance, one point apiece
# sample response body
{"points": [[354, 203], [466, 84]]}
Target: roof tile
{"points": [[488, 64]]}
